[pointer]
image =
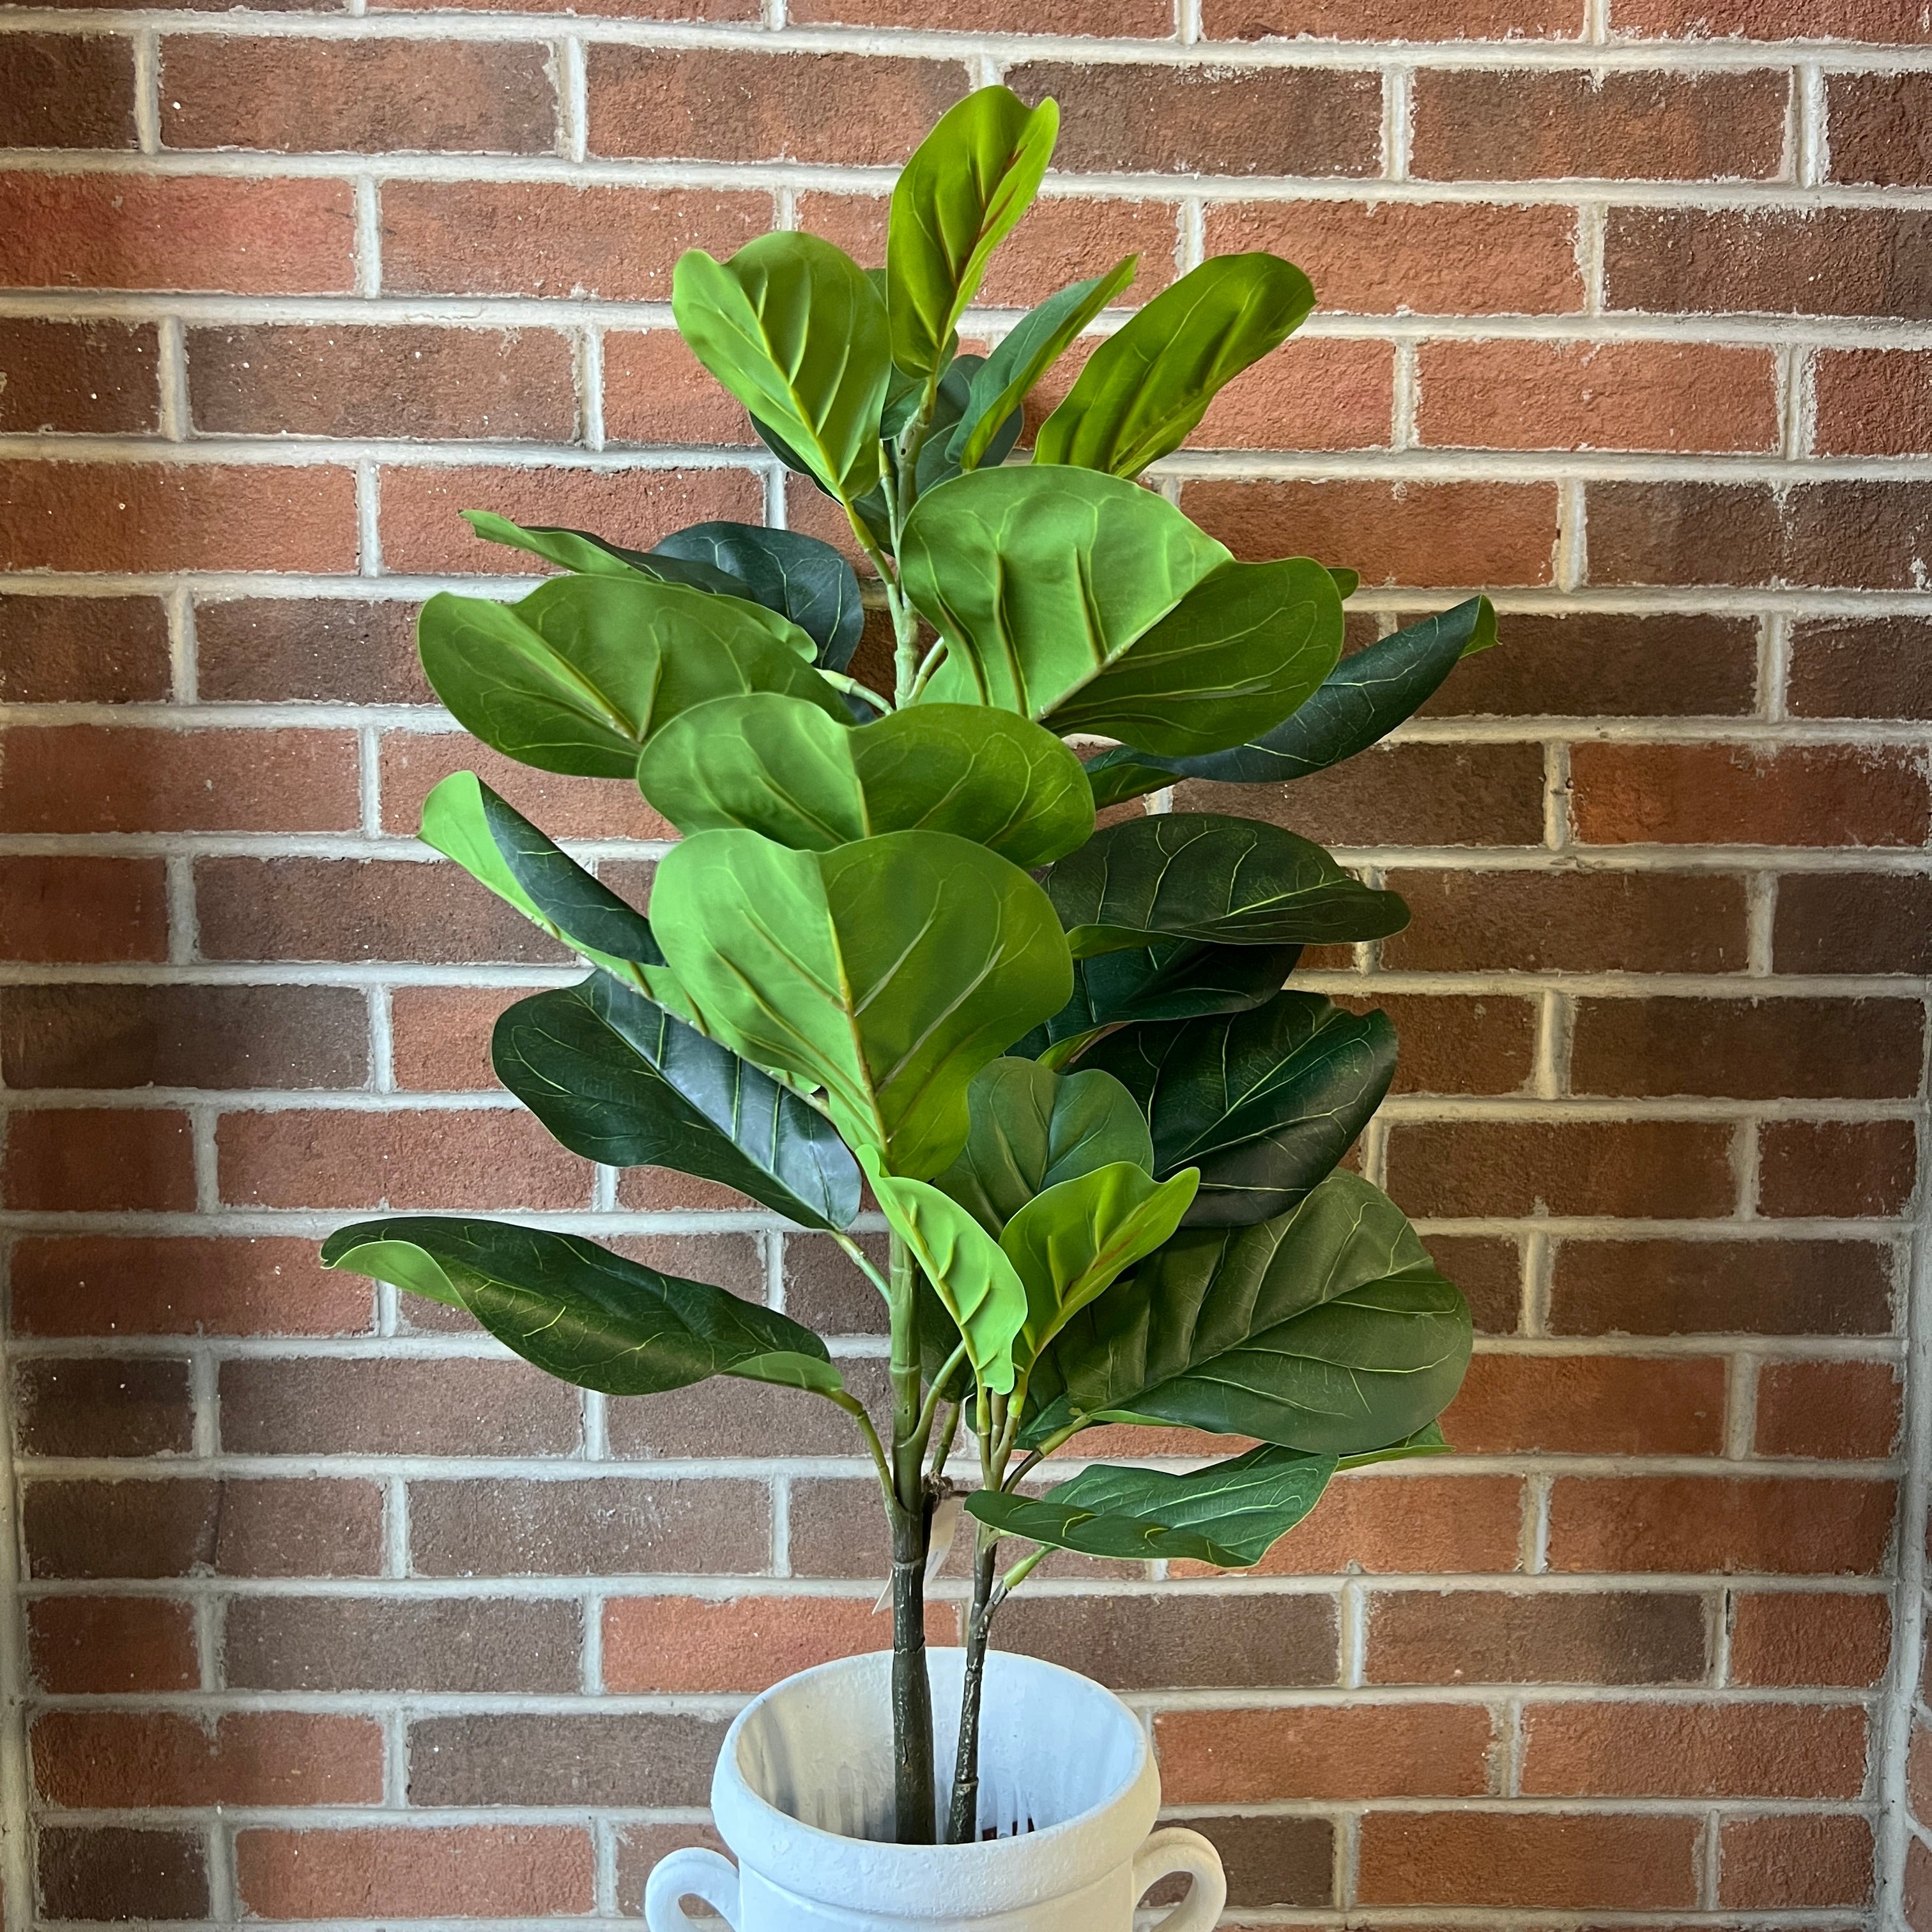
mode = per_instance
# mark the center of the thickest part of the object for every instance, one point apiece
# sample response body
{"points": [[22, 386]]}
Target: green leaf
{"points": [[966, 185], [786, 771], [1025, 353], [888, 971], [1428, 1441], [936, 464], [798, 576], [790, 326], [1144, 389], [1263, 1102], [576, 676], [1032, 1130], [1071, 1241], [974, 1278], [1039, 578], [1244, 649], [1229, 881], [616, 1079], [1327, 1330], [595, 556], [581, 1312], [1363, 698], [1229, 1514]]}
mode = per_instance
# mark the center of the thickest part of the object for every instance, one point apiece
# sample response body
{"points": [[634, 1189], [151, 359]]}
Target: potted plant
{"points": [[892, 952]]}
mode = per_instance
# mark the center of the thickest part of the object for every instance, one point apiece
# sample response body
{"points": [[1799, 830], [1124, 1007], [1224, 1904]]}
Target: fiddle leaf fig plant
{"points": [[891, 955]]}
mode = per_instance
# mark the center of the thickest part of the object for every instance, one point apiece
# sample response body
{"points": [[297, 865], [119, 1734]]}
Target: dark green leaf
{"points": [[1228, 881], [617, 1080], [1147, 386], [582, 1313], [1263, 1102], [798, 576]]}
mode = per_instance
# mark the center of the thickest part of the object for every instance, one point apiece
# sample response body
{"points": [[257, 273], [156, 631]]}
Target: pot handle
{"points": [[694, 1874], [1175, 1850]]}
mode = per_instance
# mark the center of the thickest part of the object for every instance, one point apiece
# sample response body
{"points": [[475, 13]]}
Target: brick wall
{"points": [[332, 1612]]}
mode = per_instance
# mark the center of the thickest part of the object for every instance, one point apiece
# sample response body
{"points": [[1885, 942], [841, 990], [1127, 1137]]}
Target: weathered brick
{"points": [[1694, 1750], [1392, 20], [413, 763], [439, 1036], [824, 1290], [1832, 1410], [1314, 392], [113, 1872], [81, 1160], [1453, 1046], [486, 1869], [1149, 19], [1589, 1406], [1879, 127], [1781, 1862], [728, 1416], [1853, 922], [1188, 1642], [1836, 1167], [83, 650], [76, 911], [66, 90], [273, 649], [1489, 1272], [86, 378], [1896, 20], [95, 1406], [645, 1758], [1612, 1862], [290, 93], [1854, 667], [656, 392], [1370, 1750], [1269, 1862], [1493, 1637], [1875, 402], [1787, 1637], [84, 1644]]}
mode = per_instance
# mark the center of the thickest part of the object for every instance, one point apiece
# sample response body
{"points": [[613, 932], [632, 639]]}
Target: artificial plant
{"points": [[891, 950]]}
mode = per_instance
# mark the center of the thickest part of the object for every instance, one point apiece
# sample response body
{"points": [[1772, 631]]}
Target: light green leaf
{"points": [[1025, 353], [1145, 387], [576, 676], [966, 185], [1032, 1129], [1229, 1514], [888, 971], [974, 1278], [597, 556], [791, 326], [581, 1312], [1228, 881], [1039, 578], [786, 771]]}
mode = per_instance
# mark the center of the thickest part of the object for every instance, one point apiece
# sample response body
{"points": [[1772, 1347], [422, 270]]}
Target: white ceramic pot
{"points": [[802, 1794]]}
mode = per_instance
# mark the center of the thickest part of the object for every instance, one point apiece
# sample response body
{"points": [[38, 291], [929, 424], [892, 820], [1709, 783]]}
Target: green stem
{"points": [[856, 1409], [912, 1693]]}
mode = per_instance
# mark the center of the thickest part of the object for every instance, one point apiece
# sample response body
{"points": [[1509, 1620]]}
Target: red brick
{"points": [[1693, 1751], [348, 650], [114, 1284], [361, 381], [91, 777], [1489, 1274], [1608, 395], [289, 93], [1757, 1287], [66, 90], [84, 378], [1391, 19], [1787, 1637], [611, 1760], [112, 1872], [414, 763], [1589, 1406], [437, 1158], [1485, 1046], [95, 1644], [703, 1644], [1879, 127], [1841, 261], [728, 105], [1781, 1864], [1518, 125], [1896, 20], [1662, 1169], [84, 650], [1375, 1751], [102, 1760], [545, 238], [486, 1869], [85, 1160], [1316, 392], [440, 1036], [78, 910], [1436, 258], [824, 1290], [178, 516], [1566, 1636], [1853, 922], [1747, 1049], [103, 231], [1744, 795], [94, 1406], [1568, 922], [728, 1417], [656, 392], [645, 10], [1419, 533], [1836, 1167], [1493, 1859], [1720, 1524], [1165, 119], [1873, 402], [1872, 667], [1833, 1411], [422, 530], [1144, 20]]}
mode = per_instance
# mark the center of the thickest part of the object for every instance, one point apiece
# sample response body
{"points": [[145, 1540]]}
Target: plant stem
{"points": [[963, 1819], [912, 1694]]}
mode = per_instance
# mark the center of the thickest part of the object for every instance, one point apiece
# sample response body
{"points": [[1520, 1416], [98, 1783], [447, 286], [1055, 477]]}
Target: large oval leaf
{"points": [[786, 771], [576, 676], [1039, 578], [1327, 1330], [1144, 389], [966, 185], [1241, 650], [581, 1312], [1363, 699], [1263, 1102], [616, 1079], [802, 578], [1228, 881], [792, 327], [888, 971]]}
